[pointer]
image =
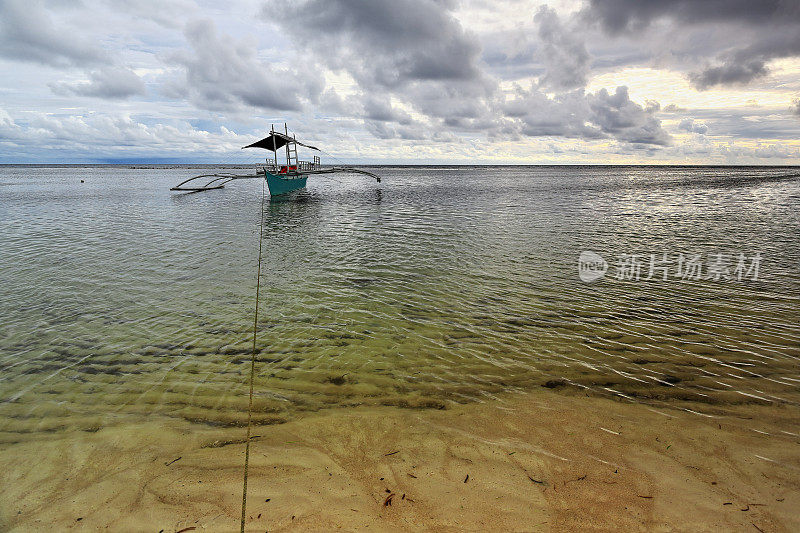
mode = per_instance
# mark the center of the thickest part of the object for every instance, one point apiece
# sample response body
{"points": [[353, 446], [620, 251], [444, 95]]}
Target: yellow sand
{"points": [[535, 462]]}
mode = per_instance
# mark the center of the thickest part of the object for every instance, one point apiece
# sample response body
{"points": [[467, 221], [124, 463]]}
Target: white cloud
{"points": [[28, 33], [530, 82], [222, 73], [689, 124], [109, 82]]}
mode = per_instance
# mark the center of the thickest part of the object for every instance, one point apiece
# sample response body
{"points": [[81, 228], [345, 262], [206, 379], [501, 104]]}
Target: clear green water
{"points": [[121, 299]]}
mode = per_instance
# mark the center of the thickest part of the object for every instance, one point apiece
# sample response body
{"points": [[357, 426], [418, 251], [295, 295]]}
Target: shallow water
{"points": [[122, 299]]}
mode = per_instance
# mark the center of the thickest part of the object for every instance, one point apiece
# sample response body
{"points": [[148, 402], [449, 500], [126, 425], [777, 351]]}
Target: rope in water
{"points": [[253, 362]]}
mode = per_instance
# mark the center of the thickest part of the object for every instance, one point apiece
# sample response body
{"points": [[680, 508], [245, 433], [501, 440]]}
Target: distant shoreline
{"points": [[386, 165]]}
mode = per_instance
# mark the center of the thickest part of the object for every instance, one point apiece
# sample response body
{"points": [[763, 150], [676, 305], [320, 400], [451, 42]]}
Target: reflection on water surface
{"points": [[121, 299]]}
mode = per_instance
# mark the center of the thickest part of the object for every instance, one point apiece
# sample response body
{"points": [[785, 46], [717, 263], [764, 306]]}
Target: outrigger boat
{"points": [[281, 179]]}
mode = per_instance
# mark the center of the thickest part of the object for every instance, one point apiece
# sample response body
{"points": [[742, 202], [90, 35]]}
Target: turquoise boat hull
{"points": [[282, 184]]}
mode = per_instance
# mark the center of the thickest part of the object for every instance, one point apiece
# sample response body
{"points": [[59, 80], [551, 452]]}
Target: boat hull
{"points": [[282, 184]]}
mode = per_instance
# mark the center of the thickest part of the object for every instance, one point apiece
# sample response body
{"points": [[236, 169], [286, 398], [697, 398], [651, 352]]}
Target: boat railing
{"points": [[309, 165], [301, 165]]}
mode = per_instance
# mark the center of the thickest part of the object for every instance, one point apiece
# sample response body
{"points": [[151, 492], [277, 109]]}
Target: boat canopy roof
{"points": [[277, 140]]}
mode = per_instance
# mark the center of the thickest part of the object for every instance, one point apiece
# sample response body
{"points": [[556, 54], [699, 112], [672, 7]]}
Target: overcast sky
{"points": [[426, 81]]}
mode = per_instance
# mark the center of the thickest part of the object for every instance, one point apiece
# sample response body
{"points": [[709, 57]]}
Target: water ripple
{"points": [[122, 300]]}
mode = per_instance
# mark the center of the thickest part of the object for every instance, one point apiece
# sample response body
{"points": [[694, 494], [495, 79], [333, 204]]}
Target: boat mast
{"points": [[286, 129], [274, 147]]}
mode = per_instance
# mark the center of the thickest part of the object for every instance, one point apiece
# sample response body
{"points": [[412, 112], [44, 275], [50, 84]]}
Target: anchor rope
{"points": [[253, 362]]}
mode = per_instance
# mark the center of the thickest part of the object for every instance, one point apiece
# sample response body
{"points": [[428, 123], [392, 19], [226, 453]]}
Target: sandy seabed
{"points": [[539, 461]]}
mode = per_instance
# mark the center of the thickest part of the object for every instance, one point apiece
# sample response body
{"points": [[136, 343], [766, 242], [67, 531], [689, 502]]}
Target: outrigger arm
{"points": [[334, 170], [219, 180]]}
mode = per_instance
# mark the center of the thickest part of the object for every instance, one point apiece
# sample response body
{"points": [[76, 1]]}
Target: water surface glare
{"points": [[121, 299]]}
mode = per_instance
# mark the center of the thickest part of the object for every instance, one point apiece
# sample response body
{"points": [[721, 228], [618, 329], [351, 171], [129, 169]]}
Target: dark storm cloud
{"points": [[414, 50], [384, 130], [626, 120], [552, 50], [562, 52], [110, 83], [417, 52], [380, 109], [586, 116], [757, 31], [510, 55], [452, 100], [27, 33], [729, 73], [223, 74], [632, 15], [394, 73], [745, 64], [385, 42]]}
